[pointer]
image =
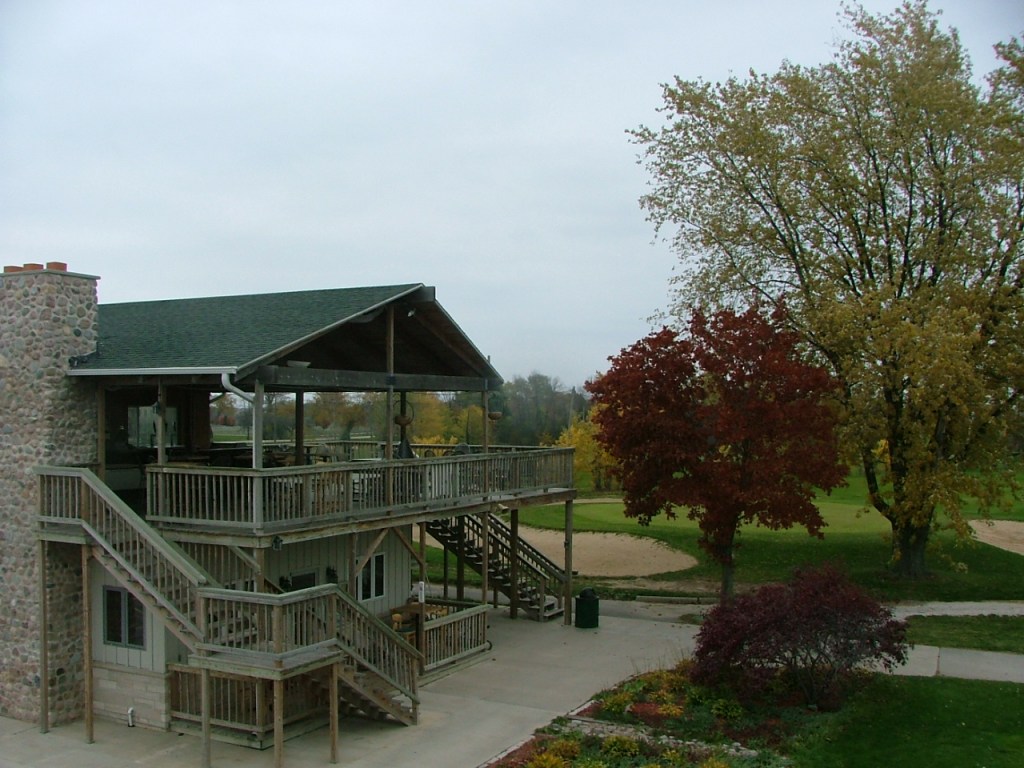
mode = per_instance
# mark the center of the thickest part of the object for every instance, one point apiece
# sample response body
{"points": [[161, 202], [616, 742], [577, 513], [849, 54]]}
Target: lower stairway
{"points": [[516, 569], [244, 639]]}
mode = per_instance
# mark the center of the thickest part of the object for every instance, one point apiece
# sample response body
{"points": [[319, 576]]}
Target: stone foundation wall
{"points": [[115, 689], [47, 317]]}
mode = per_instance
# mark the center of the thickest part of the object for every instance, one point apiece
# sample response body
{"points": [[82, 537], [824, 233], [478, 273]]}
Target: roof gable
{"points": [[240, 333]]}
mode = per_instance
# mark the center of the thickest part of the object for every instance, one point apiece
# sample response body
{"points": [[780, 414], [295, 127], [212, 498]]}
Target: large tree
{"points": [[727, 422], [882, 196]]}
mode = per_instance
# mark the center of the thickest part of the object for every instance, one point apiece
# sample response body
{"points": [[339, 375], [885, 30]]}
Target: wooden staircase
{"points": [[378, 669], [367, 695], [525, 574]]}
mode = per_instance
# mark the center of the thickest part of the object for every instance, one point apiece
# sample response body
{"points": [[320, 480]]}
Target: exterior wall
{"points": [[116, 688], [151, 658], [47, 317], [316, 556]]}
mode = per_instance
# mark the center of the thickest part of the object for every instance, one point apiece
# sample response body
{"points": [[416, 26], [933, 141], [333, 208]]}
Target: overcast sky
{"points": [[183, 148]]}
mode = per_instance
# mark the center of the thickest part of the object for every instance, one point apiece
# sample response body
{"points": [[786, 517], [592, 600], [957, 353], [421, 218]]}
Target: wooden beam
{"points": [[300, 428], [204, 694], [44, 644], [322, 380], [279, 724], [369, 552], [335, 671], [567, 612], [420, 556], [87, 645], [514, 566], [161, 423]]}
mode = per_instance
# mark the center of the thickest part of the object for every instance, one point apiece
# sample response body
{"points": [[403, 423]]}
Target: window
{"points": [[303, 580], [371, 578], [124, 619]]}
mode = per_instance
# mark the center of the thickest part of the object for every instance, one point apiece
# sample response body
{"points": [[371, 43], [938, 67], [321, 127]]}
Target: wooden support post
{"points": [[278, 723], [257, 425], [101, 431], [335, 671], [567, 612], [460, 564], [389, 409], [514, 566], [485, 545], [204, 694], [44, 644], [353, 574], [444, 565], [259, 554], [423, 554], [87, 645], [161, 423], [262, 706], [300, 428]]}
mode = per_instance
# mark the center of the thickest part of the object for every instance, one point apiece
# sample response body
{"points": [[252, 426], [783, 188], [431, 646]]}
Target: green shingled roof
{"points": [[224, 332]]}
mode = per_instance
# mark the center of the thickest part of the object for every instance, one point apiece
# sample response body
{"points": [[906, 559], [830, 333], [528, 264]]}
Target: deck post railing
{"points": [[262, 501]]}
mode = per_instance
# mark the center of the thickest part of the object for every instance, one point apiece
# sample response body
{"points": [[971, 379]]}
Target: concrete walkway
{"points": [[535, 673]]}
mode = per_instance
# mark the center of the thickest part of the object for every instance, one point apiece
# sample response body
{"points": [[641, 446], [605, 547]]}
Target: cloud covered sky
{"points": [[195, 148]]}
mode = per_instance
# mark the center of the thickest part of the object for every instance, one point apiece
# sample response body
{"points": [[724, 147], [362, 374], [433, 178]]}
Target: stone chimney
{"points": [[48, 316]]}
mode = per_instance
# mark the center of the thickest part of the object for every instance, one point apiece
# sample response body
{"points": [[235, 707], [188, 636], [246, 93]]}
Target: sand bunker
{"points": [[1005, 534], [609, 554]]}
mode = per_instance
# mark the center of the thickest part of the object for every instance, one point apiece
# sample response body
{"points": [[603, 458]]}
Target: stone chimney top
{"points": [[50, 266]]}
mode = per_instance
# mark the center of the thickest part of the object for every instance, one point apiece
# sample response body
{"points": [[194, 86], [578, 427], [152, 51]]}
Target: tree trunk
{"points": [[909, 543], [728, 578]]}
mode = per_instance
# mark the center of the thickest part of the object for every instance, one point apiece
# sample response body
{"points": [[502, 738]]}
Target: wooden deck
{"points": [[256, 503]]}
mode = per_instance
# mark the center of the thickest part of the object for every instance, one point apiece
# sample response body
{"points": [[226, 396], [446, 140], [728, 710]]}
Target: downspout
{"points": [[225, 381]]}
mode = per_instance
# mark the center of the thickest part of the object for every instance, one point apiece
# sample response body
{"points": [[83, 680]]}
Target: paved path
{"points": [[535, 673]]}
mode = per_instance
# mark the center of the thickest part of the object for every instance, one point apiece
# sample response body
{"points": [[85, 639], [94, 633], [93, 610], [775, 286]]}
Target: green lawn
{"points": [[984, 633], [853, 536], [925, 722]]}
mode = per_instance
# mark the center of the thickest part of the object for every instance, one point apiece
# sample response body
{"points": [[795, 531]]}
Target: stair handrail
{"points": [[533, 558], [358, 632], [91, 510], [394, 659]]}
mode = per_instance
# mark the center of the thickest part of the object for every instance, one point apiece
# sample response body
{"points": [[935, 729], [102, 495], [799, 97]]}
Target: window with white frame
{"points": [[124, 618], [371, 578]]}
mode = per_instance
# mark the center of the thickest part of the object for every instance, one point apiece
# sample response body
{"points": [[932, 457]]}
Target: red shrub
{"points": [[811, 632]]}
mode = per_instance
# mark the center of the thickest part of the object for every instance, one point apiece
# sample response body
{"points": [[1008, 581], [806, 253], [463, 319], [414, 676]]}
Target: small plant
{"points": [[620, 746], [726, 709], [714, 762], [813, 631], [589, 762], [567, 749], [547, 760], [671, 710], [616, 703]]}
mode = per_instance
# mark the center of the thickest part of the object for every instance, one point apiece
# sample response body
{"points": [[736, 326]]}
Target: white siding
{"points": [[317, 556], [151, 658]]}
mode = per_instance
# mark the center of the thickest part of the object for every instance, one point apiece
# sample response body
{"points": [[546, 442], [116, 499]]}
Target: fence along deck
{"points": [[261, 501]]}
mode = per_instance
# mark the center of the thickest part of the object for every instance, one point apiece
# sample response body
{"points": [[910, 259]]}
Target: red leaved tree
{"points": [[727, 421]]}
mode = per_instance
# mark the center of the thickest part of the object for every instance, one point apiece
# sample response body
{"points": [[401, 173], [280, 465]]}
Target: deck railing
{"points": [[168, 576], [239, 703], [458, 632], [278, 627], [261, 500]]}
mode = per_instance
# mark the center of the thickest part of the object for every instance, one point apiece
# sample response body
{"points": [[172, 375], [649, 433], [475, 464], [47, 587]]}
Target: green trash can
{"points": [[587, 609]]}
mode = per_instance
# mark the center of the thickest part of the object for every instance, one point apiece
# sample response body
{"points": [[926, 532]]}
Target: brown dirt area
{"points": [[1005, 534], [609, 554]]}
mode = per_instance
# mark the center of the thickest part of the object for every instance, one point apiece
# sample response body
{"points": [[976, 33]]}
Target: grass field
{"points": [[921, 722], [1004, 634], [854, 536]]}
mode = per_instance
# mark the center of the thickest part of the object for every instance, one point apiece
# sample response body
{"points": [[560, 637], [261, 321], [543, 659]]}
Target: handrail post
{"points": [[257, 503], [278, 629]]}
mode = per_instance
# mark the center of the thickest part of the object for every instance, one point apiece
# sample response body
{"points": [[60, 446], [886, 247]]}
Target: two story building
{"points": [[247, 592]]}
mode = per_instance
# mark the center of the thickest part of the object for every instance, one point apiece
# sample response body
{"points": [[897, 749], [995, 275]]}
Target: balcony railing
{"points": [[262, 500]]}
